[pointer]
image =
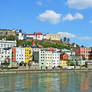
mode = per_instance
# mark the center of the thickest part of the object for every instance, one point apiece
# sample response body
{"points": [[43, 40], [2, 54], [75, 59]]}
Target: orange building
{"points": [[14, 54], [86, 53], [64, 56]]}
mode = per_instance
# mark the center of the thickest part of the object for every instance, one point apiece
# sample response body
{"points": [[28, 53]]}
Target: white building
{"points": [[36, 49], [6, 43], [45, 59], [55, 59], [20, 35], [69, 52], [35, 36], [30, 36], [39, 37], [48, 59], [5, 55], [20, 54]]}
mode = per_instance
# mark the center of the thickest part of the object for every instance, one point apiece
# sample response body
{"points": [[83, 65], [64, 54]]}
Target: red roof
{"points": [[51, 49], [39, 33]]}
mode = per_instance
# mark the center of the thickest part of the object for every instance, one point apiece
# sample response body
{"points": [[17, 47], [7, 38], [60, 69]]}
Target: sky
{"points": [[70, 18]]}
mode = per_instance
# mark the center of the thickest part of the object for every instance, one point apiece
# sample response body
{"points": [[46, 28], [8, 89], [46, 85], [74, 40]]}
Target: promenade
{"points": [[44, 71]]}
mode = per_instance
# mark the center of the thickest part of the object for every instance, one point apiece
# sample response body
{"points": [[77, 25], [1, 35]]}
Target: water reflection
{"points": [[46, 82], [85, 83]]}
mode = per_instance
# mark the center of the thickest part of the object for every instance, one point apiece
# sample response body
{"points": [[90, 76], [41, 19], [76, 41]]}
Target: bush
{"points": [[10, 67]]}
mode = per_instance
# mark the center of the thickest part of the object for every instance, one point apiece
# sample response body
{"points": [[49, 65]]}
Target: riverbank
{"points": [[44, 71]]}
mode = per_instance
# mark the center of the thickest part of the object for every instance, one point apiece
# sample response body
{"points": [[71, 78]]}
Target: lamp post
{"points": [[71, 51]]}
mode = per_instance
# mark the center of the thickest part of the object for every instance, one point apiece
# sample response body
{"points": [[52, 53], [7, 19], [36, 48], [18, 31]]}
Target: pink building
{"points": [[85, 52]]}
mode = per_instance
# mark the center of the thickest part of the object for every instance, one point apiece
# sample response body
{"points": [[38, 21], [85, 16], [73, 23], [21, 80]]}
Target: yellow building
{"points": [[28, 54], [64, 63], [53, 37]]}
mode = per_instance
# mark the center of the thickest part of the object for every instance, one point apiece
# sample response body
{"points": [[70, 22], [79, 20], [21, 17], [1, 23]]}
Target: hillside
{"points": [[45, 44]]}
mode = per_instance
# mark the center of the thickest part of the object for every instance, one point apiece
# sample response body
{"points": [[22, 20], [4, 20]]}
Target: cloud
{"points": [[39, 3], [85, 38], [70, 17], [70, 35], [79, 4], [66, 34], [50, 16], [90, 21]]}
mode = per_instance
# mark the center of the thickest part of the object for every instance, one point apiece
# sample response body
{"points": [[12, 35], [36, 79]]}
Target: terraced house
{"points": [[49, 59], [21, 54]]}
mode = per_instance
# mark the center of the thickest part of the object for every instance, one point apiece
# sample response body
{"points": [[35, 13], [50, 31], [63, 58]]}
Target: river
{"points": [[47, 82]]}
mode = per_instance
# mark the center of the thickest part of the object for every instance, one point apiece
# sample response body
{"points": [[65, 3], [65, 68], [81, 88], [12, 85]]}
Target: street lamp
{"points": [[71, 51]]}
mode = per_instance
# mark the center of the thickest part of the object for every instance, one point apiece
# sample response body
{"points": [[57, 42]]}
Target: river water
{"points": [[46, 82]]}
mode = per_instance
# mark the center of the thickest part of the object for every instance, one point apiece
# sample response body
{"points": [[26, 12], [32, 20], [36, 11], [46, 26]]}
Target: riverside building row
{"points": [[46, 58]]}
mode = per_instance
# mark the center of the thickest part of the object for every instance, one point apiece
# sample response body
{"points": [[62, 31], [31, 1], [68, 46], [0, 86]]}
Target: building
{"points": [[74, 45], [69, 52], [45, 59], [28, 55], [86, 53], [20, 35], [35, 36], [7, 32], [55, 59], [64, 59], [49, 59], [77, 60], [89, 64], [7, 44], [53, 37], [63, 63], [64, 56], [20, 54], [6, 56]]}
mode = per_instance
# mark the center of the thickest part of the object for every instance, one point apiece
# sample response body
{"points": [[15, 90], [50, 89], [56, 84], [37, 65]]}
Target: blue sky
{"points": [[70, 18]]}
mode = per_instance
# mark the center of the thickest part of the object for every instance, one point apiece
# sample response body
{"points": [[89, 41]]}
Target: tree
{"points": [[21, 63], [82, 46], [68, 40], [29, 64], [61, 40], [64, 39], [7, 61]]}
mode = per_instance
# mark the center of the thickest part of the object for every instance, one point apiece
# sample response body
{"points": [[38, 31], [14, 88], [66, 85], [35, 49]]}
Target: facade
{"points": [[18, 54], [53, 37], [86, 53], [69, 52], [48, 59], [64, 56], [35, 57], [89, 64], [7, 32], [35, 36], [20, 35], [7, 44], [30, 36], [64, 59], [28, 54], [78, 60], [45, 59], [21, 54], [5, 56], [55, 59], [63, 63]]}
